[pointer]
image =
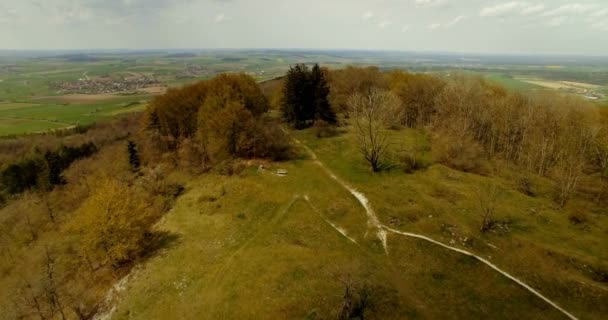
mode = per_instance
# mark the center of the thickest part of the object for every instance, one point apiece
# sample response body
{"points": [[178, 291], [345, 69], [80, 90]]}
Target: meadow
{"points": [[277, 239]]}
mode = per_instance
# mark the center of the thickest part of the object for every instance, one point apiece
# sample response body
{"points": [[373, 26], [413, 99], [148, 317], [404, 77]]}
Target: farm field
{"points": [[66, 89]]}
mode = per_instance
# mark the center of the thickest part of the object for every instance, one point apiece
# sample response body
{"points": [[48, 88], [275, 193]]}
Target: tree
{"points": [[297, 101], [228, 115], [600, 155], [134, 160], [112, 223], [306, 97], [350, 80], [575, 140], [488, 196], [371, 113], [417, 93], [320, 91]]}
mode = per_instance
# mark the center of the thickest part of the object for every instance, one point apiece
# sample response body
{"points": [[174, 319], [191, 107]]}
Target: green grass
{"points": [[511, 83], [250, 246], [29, 117], [19, 126], [543, 247]]}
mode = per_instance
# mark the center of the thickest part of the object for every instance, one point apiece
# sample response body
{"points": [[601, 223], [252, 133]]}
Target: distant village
{"points": [[588, 94], [104, 85], [193, 71]]}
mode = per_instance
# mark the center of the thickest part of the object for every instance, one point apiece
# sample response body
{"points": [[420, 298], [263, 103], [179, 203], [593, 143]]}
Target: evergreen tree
{"points": [[305, 97], [133, 156], [296, 96], [322, 109]]}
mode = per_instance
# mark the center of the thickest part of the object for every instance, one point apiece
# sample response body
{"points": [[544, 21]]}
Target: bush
{"points": [[458, 152], [324, 130], [112, 224], [578, 218], [526, 186], [270, 141], [411, 163]]}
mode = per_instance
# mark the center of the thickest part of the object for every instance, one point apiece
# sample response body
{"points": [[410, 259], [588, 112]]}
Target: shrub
{"points": [[324, 130], [458, 152], [578, 218], [526, 186], [410, 163], [270, 141], [112, 224]]}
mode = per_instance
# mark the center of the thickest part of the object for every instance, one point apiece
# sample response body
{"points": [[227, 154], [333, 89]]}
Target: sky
{"points": [[557, 27]]}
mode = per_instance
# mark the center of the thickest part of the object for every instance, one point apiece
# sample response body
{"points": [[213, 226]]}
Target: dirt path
{"points": [[333, 225], [382, 230]]}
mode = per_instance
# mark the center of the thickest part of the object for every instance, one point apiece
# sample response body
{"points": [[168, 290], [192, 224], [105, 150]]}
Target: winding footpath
{"points": [[382, 231]]}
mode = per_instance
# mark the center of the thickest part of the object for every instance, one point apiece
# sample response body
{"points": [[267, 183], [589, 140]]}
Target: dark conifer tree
{"points": [[133, 156], [296, 97], [322, 108], [306, 97]]}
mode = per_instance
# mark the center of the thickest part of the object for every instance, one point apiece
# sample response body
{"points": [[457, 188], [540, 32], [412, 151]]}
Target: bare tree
{"points": [[577, 139], [600, 153], [372, 113], [488, 199]]}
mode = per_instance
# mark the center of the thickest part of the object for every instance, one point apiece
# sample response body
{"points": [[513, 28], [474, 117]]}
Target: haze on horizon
{"points": [[557, 27]]}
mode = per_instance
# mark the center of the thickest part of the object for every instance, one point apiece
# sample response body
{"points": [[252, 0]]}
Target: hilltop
{"points": [[323, 194]]}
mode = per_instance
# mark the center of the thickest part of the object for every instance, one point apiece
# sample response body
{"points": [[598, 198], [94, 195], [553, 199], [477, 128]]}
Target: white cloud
{"points": [[573, 8], [384, 23], [434, 26], [429, 3], [556, 21], [600, 25], [500, 9], [367, 15], [532, 9], [405, 28], [600, 13], [219, 18], [455, 21]]}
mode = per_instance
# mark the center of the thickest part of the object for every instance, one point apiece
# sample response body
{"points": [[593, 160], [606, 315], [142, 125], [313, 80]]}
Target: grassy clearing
{"points": [[544, 247], [250, 245]]}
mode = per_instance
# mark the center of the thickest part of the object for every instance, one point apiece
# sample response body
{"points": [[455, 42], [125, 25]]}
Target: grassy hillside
{"points": [[253, 245]]}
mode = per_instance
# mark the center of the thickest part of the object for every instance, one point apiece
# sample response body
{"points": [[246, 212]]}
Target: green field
{"points": [[20, 126], [27, 80], [511, 83]]}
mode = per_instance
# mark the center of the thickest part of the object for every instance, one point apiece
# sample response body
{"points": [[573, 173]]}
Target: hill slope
{"points": [[261, 246]]}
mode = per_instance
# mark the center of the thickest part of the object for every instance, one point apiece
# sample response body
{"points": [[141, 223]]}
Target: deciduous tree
{"points": [[371, 113]]}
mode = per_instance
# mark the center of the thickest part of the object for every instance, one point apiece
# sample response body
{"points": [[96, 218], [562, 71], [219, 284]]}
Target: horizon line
{"points": [[93, 50]]}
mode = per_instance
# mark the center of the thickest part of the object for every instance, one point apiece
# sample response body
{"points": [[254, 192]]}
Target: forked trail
{"points": [[382, 231]]}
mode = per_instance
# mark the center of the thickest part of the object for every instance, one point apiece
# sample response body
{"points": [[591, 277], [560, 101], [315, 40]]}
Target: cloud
{"points": [[405, 28], [455, 21], [573, 8], [500, 9], [434, 26], [532, 9], [429, 3], [600, 13], [219, 18], [367, 15], [556, 21], [384, 23], [600, 25]]}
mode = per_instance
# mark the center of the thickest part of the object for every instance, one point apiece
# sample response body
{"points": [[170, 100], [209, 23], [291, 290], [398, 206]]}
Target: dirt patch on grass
{"points": [[559, 84]]}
